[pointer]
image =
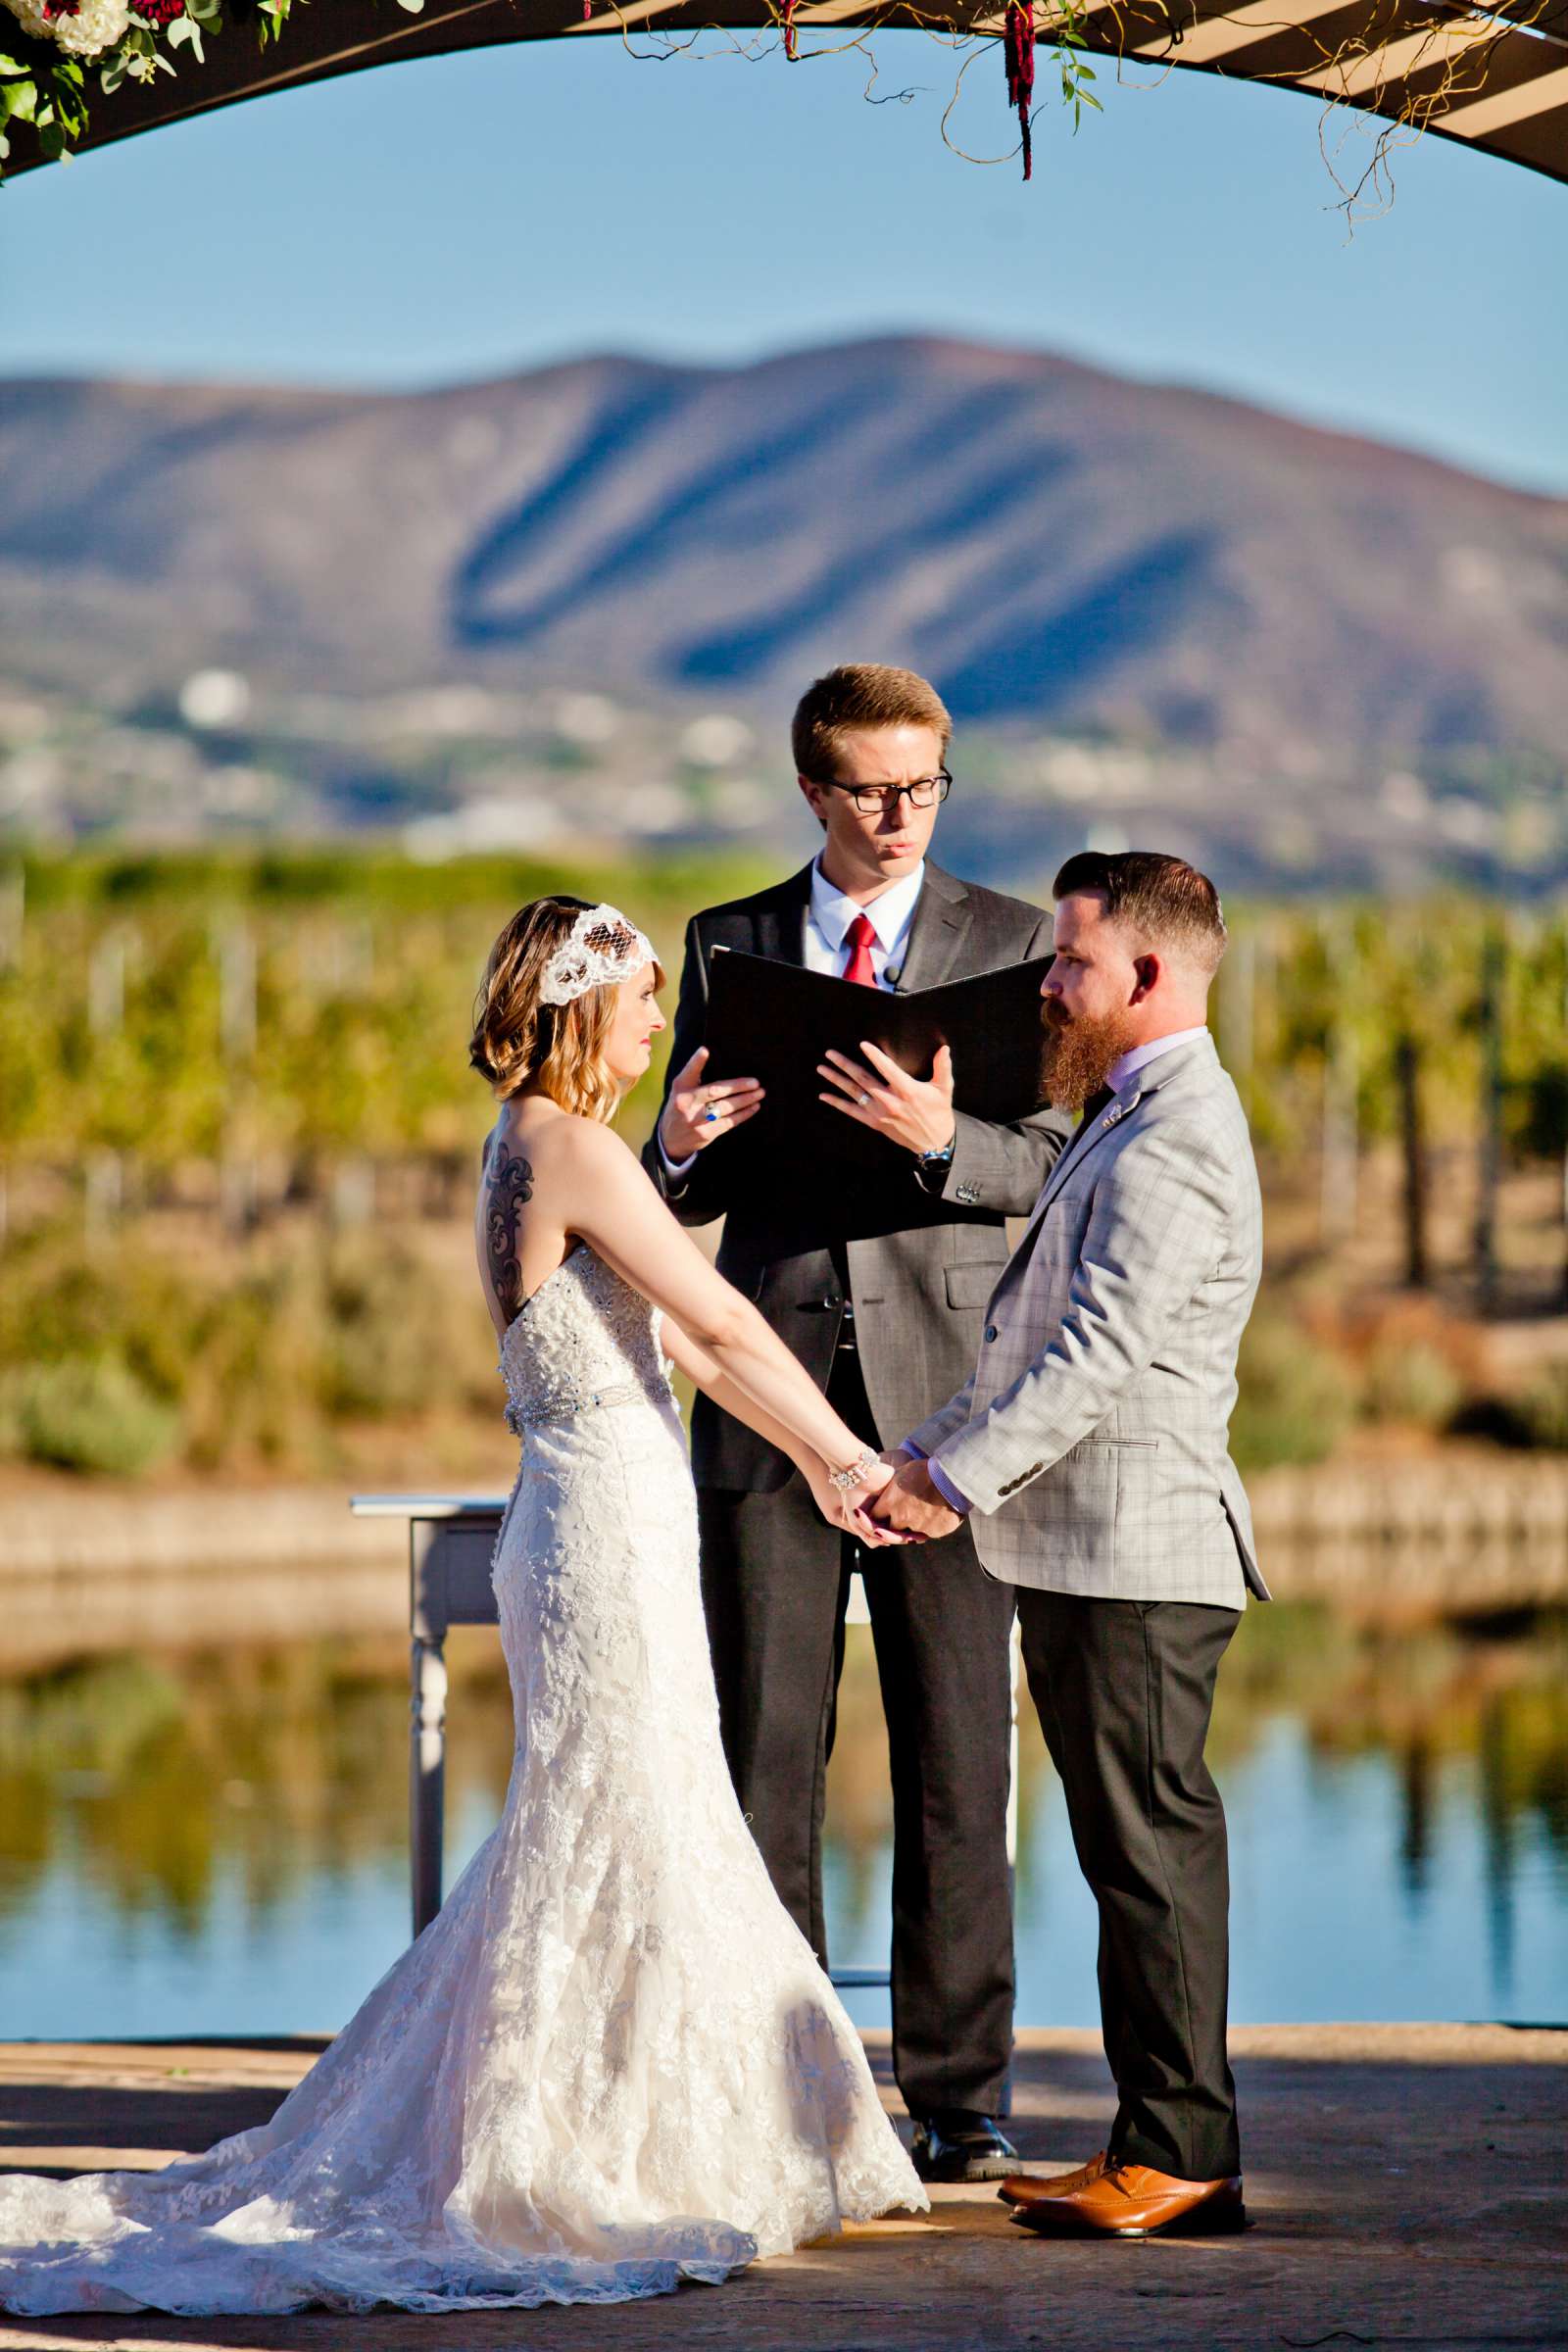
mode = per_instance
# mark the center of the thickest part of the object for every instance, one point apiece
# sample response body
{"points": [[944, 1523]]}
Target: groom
{"points": [[877, 1284], [1088, 1455]]}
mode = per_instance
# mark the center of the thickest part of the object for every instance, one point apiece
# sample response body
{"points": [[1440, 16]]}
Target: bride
{"points": [[611, 2062]]}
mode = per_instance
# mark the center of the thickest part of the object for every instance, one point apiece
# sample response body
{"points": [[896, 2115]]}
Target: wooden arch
{"points": [[1495, 77]]}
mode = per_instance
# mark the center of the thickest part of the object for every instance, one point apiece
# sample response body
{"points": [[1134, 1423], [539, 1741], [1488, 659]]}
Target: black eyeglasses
{"points": [[926, 791]]}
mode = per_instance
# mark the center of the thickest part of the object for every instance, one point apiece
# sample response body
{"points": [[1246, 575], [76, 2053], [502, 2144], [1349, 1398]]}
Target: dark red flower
{"points": [[158, 12], [1018, 48], [66, 8]]}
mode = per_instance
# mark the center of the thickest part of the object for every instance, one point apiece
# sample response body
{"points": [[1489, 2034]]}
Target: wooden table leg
{"points": [[428, 1718], [427, 1747]]}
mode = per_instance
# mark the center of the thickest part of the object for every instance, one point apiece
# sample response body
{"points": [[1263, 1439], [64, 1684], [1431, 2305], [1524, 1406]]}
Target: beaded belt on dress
{"points": [[571, 1401]]}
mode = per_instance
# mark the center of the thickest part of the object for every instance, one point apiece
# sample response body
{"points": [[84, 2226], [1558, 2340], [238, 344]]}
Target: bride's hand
{"points": [[845, 1506]]}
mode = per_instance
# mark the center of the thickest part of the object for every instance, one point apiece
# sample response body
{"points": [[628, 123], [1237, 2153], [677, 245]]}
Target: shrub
{"points": [[256, 1354], [254, 1347], [1536, 1416], [89, 1414], [1297, 1399], [1544, 1407], [398, 1336], [1411, 1382]]}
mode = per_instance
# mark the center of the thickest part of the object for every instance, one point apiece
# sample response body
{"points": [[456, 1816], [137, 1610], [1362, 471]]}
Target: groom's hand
{"points": [[697, 1116], [916, 1113], [910, 1500]]}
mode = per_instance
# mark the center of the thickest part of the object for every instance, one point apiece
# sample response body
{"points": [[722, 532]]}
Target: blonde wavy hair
{"points": [[519, 1042]]}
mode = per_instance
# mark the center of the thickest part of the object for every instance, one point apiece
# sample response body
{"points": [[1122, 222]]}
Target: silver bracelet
{"points": [[859, 1471]]}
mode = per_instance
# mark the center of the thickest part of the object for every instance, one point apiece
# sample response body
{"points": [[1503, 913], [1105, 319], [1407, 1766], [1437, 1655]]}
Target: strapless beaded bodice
{"points": [[585, 1341]]}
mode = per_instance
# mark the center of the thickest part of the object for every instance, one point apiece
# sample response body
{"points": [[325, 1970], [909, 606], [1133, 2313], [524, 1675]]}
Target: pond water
{"points": [[217, 1844]]}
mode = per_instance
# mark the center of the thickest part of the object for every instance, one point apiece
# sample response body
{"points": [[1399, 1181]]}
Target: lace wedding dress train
{"points": [[611, 2062]]}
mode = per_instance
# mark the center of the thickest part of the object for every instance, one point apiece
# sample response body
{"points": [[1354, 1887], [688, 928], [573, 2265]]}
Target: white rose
{"points": [[97, 24]]}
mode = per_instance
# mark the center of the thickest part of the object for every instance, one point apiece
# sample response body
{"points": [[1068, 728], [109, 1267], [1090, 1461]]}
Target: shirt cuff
{"points": [[949, 1494], [680, 1170]]}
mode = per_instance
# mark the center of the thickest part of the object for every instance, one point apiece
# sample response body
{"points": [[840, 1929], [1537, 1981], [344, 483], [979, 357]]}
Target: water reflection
{"points": [[1494, 1704], [275, 1769], [205, 1841], [1399, 1807]]}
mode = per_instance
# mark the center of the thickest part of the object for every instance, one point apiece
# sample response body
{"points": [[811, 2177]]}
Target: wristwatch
{"points": [[934, 1163]]}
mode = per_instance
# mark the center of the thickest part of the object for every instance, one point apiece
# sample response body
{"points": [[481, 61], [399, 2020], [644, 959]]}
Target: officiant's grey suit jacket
{"points": [[1091, 1433], [920, 1256]]}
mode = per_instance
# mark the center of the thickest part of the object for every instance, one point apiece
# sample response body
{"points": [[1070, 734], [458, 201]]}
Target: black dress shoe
{"points": [[958, 2145]]}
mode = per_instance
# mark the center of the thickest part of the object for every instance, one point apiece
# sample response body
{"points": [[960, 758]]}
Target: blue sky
{"points": [[481, 213]]}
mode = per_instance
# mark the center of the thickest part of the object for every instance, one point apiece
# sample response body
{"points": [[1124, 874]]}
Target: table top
{"points": [[428, 1506]]}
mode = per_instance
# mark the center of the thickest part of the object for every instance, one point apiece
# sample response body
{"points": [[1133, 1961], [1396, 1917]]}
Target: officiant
{"points": [[877, 1281]]}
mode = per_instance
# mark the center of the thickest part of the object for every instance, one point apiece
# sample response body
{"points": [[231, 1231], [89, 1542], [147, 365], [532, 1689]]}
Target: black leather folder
{"points": [[775, 1021]]}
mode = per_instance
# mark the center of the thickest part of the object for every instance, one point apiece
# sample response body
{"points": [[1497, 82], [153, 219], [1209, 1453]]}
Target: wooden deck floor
{"points": [[1407, 2185]]}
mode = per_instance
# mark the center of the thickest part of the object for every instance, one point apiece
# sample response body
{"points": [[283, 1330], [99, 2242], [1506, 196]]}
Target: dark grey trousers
{"points": [[775, 1580], [1124, 1691]]}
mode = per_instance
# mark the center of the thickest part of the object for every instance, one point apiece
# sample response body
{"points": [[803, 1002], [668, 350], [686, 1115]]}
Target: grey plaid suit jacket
{"points": [[1092, 1435]]}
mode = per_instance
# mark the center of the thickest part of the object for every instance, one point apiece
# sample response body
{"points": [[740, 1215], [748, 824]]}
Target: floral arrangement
{"points": [[44, 75], [43, 80]]}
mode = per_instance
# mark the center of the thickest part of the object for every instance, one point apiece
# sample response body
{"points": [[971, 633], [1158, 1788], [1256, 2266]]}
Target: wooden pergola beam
{"points": [[1495, 77]]}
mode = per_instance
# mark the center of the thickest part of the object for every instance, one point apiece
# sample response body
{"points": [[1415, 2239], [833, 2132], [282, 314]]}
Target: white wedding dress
{"points": [[611, 2062]]}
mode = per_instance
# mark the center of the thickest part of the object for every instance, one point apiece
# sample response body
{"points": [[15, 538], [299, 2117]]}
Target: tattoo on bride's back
{"points": [[510, 1187]]}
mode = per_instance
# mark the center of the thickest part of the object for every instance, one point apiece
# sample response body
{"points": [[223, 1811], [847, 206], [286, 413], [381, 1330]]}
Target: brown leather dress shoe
{"points": [[1132, 2200], [1029, 2189]]}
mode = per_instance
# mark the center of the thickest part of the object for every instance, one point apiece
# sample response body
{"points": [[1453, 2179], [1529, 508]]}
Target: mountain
{"points": [[1055, 546]]}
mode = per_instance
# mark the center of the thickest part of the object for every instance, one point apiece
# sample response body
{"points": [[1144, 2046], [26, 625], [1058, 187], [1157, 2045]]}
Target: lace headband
{"points": [[602, 948]]}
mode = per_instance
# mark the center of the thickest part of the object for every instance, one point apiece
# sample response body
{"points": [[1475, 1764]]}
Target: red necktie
{"points": [[859, 937]]}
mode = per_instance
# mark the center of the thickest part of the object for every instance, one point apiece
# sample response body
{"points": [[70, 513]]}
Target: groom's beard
{"points": [[1078, 1053]]}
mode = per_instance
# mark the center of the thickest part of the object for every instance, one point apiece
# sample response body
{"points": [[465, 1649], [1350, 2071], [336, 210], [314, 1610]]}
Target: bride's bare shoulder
{"points": [[555, 1145], [588, 1148]]}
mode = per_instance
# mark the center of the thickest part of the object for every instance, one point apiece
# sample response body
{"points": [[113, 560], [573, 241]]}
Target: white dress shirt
{"points": [[1137, 1058], [828, 916]]}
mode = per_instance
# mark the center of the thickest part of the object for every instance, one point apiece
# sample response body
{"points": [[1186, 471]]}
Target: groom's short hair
{"points": [[853, 696], [1166, 901]]}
